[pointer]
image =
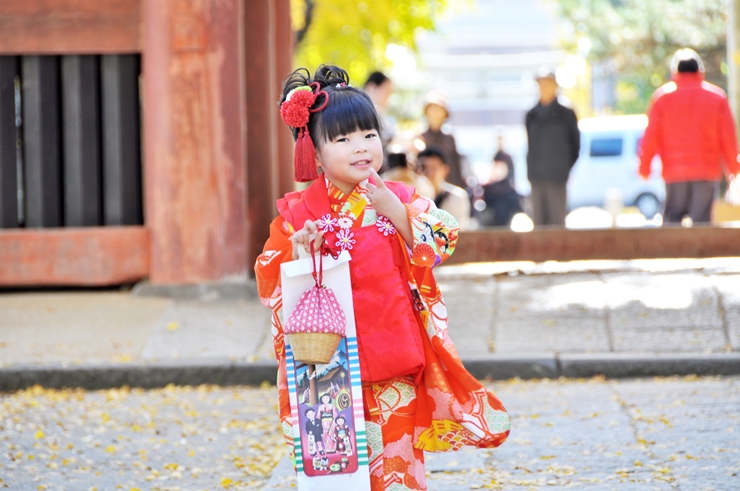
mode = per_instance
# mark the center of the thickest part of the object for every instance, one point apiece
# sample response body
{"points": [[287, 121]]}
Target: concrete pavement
{"points": [[577, 319]]}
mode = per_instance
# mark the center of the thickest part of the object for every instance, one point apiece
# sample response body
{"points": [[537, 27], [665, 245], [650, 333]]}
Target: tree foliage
{"points": [[635, 40], [354, 34]]}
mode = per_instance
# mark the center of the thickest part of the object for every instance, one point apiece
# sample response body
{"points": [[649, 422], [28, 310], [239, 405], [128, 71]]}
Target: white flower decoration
{"points": [[345, 240], [345, 222], [385, 226], [327, 223]]}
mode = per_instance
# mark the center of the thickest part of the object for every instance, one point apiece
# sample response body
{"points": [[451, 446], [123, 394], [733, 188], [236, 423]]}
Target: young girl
{"points": [[418, 396]]}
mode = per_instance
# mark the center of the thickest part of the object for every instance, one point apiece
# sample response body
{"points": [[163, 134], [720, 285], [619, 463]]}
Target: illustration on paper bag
{"points": [[326, 416]]}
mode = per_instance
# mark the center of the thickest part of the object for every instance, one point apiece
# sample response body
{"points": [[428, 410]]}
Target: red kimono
{"points": [[418, 395]]}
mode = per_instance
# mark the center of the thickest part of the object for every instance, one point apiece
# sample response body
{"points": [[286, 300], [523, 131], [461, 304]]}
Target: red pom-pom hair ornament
{"points": [[296, 111]]}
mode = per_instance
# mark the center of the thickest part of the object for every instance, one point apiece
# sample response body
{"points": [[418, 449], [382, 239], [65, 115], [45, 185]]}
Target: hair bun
{"points": [[298, 78], [327, 75]]}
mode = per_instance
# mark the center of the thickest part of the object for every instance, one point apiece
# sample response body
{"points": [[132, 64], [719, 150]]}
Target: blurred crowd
{"points": [[690, 128], [431, 163]]}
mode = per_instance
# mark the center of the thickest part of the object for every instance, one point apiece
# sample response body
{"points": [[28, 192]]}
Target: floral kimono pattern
{"points": [[445, 408]]}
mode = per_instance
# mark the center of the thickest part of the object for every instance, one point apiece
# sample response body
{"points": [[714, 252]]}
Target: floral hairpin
{"points": [[296, 111]]}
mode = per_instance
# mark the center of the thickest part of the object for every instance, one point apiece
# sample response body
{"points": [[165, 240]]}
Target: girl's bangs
{"points": [[349, 110]]}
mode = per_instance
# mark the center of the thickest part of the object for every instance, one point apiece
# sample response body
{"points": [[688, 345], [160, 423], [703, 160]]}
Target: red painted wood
{"points": [[91, 256], [193, 126], [69, 26], [284, 38], [262, 87], [568, 245]]}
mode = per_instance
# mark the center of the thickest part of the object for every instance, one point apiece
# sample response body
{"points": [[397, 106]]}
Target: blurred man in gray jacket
{"points": [[554, 143]]}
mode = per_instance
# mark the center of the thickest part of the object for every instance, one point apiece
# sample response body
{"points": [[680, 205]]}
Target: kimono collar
{"points": [[319, 201], [337, 198]]}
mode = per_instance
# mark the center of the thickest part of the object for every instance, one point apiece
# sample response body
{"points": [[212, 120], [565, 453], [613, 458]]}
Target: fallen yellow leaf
{"points": [[39, 435], [172, 326]]}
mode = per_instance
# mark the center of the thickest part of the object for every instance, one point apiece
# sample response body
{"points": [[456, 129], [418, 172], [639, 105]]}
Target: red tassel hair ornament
{"points": [[296, 111]]}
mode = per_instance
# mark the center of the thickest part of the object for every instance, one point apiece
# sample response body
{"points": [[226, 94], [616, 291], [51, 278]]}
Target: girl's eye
{"points": [[371, 135], [342, 139]]}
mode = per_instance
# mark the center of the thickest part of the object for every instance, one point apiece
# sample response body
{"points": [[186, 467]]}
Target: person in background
{"points": [[436, 113], [452, 199], [380, 88], [690, 126], [502, 201], [502, 156], [554, 144], [399, 170]]}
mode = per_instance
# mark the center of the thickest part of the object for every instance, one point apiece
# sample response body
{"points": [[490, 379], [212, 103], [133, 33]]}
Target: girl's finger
{"points": [[378, 181], [311, 227]]}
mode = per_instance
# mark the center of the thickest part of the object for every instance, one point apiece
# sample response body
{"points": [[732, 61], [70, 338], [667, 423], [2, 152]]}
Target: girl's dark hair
{"points": [[349, 109]]}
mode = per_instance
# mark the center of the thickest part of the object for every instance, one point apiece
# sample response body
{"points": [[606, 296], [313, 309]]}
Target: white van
{"points": [[608, 160]]}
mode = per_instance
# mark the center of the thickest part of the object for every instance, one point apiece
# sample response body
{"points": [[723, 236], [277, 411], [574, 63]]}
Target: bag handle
{"points": [[318, 276]]}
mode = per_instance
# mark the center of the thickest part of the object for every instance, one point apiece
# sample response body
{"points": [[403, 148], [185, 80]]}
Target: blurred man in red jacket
{"points": [[691, 128]]}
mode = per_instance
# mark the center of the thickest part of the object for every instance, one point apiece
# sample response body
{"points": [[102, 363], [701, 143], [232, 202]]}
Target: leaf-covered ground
{"points": [[649, 434], [176, 438]]}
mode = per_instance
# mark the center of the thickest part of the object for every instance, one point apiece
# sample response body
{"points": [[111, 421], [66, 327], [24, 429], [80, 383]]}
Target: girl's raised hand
{"points": [[382, 199], [387, 203], [304, 236]]}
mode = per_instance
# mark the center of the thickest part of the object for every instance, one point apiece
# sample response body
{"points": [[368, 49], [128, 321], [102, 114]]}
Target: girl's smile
{"points": [[347, 160]]}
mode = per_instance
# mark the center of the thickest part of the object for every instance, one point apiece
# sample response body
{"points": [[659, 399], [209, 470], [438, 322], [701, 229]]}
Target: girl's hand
{"points": [[304, 236], [382, 199], [386, 203]]}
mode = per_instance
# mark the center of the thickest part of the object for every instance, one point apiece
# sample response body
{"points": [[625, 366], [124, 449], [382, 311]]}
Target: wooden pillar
{"points": [[83, 206], [193, 158], [42, 141], [8, 141], [284, 39], [121, 148], [268, 42]]}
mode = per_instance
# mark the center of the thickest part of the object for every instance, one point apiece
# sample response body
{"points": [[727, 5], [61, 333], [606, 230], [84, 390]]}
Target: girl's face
{"points": [[347, 159]]}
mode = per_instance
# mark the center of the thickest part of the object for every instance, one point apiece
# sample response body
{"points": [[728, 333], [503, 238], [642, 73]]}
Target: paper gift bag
{"points": [[326, 400]]}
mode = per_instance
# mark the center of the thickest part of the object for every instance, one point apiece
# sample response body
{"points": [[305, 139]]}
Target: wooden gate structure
{"points": [[139, 138]]}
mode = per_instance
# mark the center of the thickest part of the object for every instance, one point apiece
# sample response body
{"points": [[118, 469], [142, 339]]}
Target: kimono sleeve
{"points": [[435, 232], [278, 249]]}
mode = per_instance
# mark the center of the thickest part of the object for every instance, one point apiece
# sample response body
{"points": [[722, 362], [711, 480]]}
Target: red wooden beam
{"points": [[94, 256], [69, 26], [567, 245]]}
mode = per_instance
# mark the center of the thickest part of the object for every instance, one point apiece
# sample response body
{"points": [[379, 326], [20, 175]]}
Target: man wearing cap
{"points": [[435, 110], [690, 126], [554, 143]]}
